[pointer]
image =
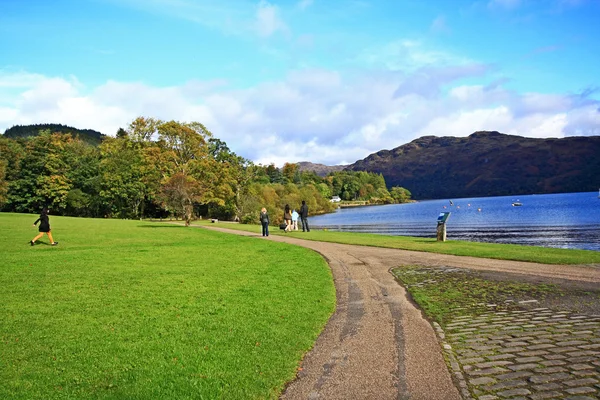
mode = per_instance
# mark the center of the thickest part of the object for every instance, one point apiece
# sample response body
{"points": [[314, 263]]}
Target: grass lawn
{"points": [[445, 296], [454, 247], [140, 310]]}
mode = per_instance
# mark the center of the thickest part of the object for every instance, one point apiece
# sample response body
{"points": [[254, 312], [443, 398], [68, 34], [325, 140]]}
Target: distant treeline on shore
{"points": [[160, 168]]}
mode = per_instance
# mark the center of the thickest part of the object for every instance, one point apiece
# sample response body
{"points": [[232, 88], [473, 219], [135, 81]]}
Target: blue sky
{"points": [[305, 80]]}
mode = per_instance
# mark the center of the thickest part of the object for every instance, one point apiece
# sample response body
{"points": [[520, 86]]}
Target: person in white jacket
{"points": [[295, 216]]}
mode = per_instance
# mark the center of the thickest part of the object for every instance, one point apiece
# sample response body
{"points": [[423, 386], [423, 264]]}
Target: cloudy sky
{"points": [[327, 81]]}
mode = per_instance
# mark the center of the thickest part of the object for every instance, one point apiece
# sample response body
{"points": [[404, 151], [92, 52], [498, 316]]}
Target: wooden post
{"points": [[441, 232]]}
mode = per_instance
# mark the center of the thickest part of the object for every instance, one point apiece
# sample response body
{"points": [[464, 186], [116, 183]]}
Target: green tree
{"points": [[43, 179], [275, 174], [83, 198], [400, 194], [121, 187], [3, 183]]}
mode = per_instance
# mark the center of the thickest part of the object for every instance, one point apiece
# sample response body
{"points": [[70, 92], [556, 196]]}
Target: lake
{"points": [[566, 220]]}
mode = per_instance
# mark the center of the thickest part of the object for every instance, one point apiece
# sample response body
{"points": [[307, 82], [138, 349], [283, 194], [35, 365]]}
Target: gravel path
{"points": [[377, 345]]}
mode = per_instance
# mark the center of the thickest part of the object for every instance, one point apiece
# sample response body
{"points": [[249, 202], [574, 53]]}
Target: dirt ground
{"points": [[378, 345]]}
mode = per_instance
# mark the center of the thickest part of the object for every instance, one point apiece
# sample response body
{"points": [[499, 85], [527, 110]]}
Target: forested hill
{"points": [[87, 135], [319, 169], [488, 164]]}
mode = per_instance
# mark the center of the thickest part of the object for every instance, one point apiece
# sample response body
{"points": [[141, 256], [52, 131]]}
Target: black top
{"points": [[44, 223], [264, 218], [304, 211]]}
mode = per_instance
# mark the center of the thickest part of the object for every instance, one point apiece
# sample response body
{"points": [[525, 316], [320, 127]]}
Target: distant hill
{"points": [[87, 135], [488, 164], [319, 169]]}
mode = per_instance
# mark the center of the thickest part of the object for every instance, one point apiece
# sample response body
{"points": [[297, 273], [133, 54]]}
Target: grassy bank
{"points": [[447, 293], [139, 310], [459, 248]]}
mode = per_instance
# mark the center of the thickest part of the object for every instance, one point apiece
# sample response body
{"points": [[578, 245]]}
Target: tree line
{"points": [[89, 135], [160, 169]]}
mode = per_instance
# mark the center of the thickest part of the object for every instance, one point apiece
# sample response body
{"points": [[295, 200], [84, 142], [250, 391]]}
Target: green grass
{"points": [[445, 295], [454, 247], [139, 310]]}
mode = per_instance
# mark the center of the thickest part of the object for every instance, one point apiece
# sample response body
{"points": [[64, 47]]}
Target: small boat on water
{"points": [[517, 204]]}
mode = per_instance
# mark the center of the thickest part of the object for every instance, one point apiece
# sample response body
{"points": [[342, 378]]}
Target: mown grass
{"points": [[140, 310], [453, 247]]}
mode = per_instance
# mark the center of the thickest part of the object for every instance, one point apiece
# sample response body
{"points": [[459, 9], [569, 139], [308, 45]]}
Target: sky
{"points": [[325, 81]]}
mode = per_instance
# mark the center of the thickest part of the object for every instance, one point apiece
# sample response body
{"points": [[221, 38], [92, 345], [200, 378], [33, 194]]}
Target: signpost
{"points": [[441, 226]]}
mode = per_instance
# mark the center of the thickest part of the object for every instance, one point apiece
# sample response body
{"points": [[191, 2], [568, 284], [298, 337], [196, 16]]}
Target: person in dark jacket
{"points": [[304, 217], [264, 221], [44, 227]]}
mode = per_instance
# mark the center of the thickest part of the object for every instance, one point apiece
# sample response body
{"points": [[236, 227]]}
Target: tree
{"points": [[143, 129], [274, 174], [121, 133], [400, 194], [121, 185], [11, 154], [43, 180], [179, 193], [83, 198], [3, 183], [190, 175], [236, 172], [290, 171]]}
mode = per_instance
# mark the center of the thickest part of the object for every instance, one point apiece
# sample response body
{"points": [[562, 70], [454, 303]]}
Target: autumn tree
{"points": [[237, 172], [290, 171], [43, 179], [190, 174]]}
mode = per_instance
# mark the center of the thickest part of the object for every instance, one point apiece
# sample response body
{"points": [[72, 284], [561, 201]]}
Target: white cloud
{"points": [[268, 20], [311, 115], [19, 79], [407, 55], [304, 4]]}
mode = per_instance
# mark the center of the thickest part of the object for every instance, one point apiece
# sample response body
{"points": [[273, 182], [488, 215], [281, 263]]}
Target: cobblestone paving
{"points": [[531, 354]]}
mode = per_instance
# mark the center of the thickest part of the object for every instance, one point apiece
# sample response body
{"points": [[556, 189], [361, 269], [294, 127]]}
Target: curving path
{"points": [[377, 345]]}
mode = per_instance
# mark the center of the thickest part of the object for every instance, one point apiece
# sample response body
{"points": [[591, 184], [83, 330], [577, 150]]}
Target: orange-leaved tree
{"points": [[190, 174]]}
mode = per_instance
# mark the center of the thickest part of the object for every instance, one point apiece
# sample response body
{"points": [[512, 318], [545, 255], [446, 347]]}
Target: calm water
{"points": [[568, 220]]}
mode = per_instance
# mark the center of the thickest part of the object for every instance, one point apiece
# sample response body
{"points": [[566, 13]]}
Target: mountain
{"points": [[319, 169], [488, 164], [87, 135]]}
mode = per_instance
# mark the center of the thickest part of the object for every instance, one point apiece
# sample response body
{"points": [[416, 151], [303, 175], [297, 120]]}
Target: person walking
{"points": [[294, 220], [287, 217], [304, 217], [264, 221], [44, 227]]}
